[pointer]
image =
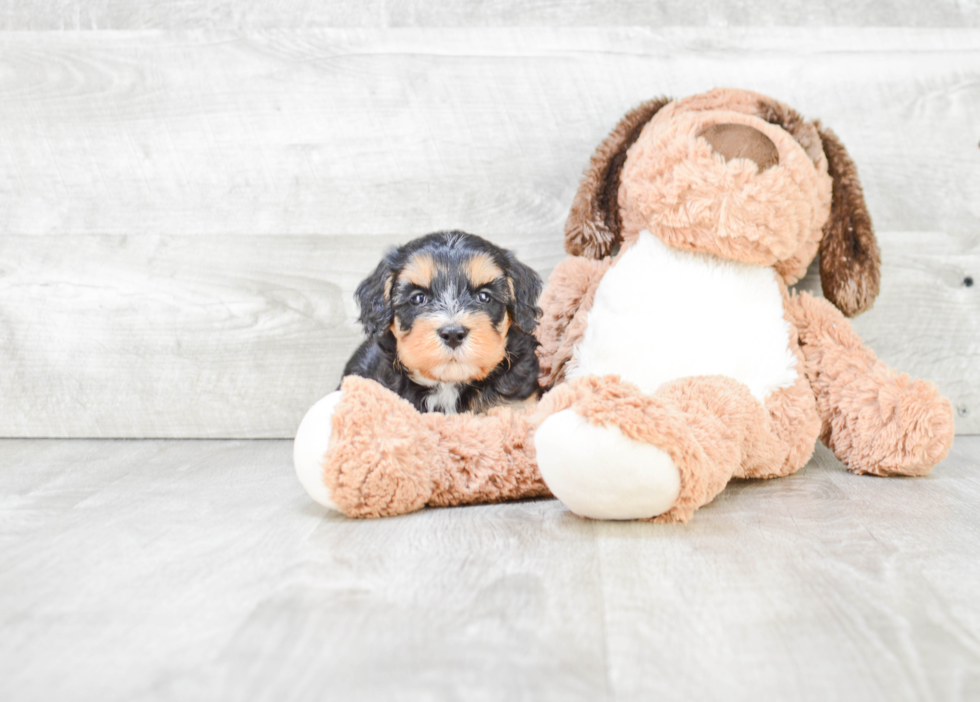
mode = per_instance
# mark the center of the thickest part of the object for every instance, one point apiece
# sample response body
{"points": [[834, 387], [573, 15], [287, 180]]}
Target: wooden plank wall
{"points": [[262, 14], [190, 192]]}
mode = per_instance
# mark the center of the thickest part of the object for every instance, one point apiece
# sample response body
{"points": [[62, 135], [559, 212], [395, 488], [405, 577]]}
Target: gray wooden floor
{"points": [[193, 570]]}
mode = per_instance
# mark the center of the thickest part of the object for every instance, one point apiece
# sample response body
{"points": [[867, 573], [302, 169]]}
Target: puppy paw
{"points": [[311, 445], [600, 473]]}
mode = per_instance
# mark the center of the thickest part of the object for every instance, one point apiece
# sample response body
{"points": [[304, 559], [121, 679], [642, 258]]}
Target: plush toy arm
{"points": [[366, 452], [566, 299], [484, 458], [875, 419]]}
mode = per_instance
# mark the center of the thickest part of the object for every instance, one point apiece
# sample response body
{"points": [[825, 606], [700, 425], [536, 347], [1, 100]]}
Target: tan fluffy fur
{"points": [[420, 270], [676, 186], [654, 172], [566, 302], [482, 270], [420, 348], [593, 225], [486, 344], [874, 418], [386, 459]]}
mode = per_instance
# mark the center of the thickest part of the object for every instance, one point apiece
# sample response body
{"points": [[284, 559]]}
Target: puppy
{"points": [[449, 319]]}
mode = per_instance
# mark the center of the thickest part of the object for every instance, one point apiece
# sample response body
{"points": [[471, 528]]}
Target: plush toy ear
{"points": [[849, 256], [373, 296], [525, 287], [593, 225]]}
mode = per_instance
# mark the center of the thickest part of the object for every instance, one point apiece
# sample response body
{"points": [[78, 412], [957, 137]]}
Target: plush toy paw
{"points": [[311, 445], [366, 452], [600, 473], [906, 427]]}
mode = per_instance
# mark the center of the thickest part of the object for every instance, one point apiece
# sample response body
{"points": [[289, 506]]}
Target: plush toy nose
{"points": [[452, 335], [742, 141]]}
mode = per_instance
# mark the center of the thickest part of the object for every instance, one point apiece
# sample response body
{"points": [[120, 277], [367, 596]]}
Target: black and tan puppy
{"points": [[449, 318]]}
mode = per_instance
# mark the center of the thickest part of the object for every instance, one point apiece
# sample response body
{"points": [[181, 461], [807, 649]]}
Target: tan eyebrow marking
{"points": [[420, 270], [482, 270]]}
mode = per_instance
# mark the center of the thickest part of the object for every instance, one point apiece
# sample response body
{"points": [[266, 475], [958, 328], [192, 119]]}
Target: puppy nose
{"points": [[452, 335]]}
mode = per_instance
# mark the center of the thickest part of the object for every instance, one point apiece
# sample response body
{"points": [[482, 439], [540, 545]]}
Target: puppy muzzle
{"points": [[453, 335]]}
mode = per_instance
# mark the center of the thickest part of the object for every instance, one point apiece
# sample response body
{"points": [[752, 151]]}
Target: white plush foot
{"points": [[598, 472], [310, 446]]}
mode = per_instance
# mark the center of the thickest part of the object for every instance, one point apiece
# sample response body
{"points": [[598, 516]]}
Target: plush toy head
{"points": [[738, 175]]}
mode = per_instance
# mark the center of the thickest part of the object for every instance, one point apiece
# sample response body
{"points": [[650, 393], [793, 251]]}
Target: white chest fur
{"points": [[443, 398], [661, 314]]}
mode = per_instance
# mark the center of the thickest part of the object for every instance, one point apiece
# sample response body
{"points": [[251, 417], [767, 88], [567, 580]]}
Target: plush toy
{"points": [[676, 356]]}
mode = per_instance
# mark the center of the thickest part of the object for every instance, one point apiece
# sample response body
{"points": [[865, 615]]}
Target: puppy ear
{"points": [[849, 257], [593, 225], [525, 286], [373, 296]]}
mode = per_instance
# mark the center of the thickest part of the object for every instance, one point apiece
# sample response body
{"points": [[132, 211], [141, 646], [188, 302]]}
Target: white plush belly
{"points": [[661, 314]]}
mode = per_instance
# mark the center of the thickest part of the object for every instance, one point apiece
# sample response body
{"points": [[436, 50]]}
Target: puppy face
{"points": [[449, 300]]}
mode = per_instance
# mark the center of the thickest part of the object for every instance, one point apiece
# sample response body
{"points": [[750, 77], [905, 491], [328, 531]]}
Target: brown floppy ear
{"points": [[849, 255], [593, 225]]}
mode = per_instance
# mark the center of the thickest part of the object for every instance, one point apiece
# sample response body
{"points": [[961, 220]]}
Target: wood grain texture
{"points": [[199, 570], [250, 14], [185, 214], [210, 336], [149, 336], [407, 131]]}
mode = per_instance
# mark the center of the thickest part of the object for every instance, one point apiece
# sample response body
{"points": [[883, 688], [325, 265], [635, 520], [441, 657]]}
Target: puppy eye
{"points": [[484, 296], [417, 299]]}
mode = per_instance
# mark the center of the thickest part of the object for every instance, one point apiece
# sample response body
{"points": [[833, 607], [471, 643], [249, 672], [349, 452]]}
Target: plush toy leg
{"points": [[600, 473], [310, 446], [875, 419], [360, 451], [610, 452], [368, 453]]}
